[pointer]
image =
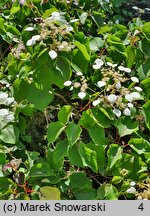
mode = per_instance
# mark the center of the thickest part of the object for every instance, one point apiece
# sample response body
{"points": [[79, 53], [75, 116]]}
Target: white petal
{"points": [[121, 68], [30, 42], [101, 83], [29, 28], [132, 183], [129, 97], [112, 98], [9, 118], [109, 64], [138, 88], [99, 62], [118, 85], [131, 190], [126, 112], [52, 54], [69, 28], [135, 79], [96, 102], [79, 73], [117, 112], [81, 95], [67, 83], [36, 37], [3, 97], [135, 95], [96, 66], [9, 100], [130, 105], [56, 14], [127, 70], [4, 112], [74, 20]]}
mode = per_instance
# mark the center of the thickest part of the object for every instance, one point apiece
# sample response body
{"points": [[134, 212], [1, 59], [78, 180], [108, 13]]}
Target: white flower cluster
{"points": [[33, 40], [114, 83], [5, 99], [51, 27], [132, 189], [82, 84]]}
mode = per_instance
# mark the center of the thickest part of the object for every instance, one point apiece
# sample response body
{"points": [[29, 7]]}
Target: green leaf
{"points": [[146, 112], [33, 93], [101, 117], [5, 184], [49, 193], [13, 30], [40, 169], [83, 49], [77, 63], [117, 180], [97, 134], [140, 145], [146, 86], [86, 119], [63, 72], [74, 156], [7, 135], [64, 114], [145, 46], [73, 132], [131, 57], [107, 192], [2, 29], [126, 126], [85, 194], [95, 44], [54, 130], [83, 17], [15, 8], [114, 154], [54, 165], [61, 150], [80, 180], [146, 29], [90, 158]]}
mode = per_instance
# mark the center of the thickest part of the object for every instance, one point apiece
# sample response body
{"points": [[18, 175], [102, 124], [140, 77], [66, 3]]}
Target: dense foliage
{"points": [[74, 100]]}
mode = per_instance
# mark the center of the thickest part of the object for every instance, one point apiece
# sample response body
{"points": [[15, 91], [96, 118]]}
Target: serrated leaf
{"points": [[64, 114], [54, 130], [73, 132], [49, 193]]}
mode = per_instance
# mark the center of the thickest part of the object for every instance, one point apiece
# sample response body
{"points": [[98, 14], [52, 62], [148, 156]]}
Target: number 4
{"points": [[141, 207]]}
